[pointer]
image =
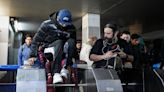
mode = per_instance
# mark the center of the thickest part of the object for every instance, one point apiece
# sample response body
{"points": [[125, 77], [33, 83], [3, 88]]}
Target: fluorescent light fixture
{"points": [[27, 26]]}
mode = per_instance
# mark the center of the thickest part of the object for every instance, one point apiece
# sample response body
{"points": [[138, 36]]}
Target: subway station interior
{"points": [[19, 18]]}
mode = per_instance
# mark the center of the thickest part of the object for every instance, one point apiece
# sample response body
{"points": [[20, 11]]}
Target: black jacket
{"points": [[48, 32]]}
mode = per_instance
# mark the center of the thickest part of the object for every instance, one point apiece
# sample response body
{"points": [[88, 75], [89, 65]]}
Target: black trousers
{"points": [[59, 49]]}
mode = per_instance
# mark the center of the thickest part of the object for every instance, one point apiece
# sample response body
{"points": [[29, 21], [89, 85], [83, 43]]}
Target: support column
{"points": [[90, 26], [4, 34]]}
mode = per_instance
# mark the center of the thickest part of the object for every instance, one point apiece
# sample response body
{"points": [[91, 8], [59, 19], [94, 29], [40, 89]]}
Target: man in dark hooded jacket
{"points": [[56, 33]]}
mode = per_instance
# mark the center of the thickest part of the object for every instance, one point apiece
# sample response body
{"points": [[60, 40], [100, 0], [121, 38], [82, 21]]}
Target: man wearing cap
{"points": [[55, 32]]}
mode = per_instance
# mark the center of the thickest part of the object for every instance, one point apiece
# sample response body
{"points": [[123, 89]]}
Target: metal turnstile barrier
{"points": [[102, 80], [31, 80]]}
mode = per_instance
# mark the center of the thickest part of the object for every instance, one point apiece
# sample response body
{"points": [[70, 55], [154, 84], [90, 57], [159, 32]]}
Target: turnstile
{"points": [[102, 80], [31, 80]]}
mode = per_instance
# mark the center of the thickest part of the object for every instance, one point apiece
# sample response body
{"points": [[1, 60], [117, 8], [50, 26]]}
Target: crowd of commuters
{"points": [[55, 40]]}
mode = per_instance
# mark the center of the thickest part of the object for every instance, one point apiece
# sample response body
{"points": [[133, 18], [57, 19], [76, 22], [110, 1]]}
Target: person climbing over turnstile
{"points": [[54, 33]]}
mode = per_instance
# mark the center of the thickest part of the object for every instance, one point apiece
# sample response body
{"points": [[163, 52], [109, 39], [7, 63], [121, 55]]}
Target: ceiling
{"points": [[32, 12]]}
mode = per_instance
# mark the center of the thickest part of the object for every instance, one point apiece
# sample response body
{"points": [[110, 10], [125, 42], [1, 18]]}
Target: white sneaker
{"points": [[64, 72], [57, 78]]}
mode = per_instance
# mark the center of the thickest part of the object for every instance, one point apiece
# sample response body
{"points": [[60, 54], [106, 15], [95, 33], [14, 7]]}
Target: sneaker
{"points": [[57, 78], [64, 72]]}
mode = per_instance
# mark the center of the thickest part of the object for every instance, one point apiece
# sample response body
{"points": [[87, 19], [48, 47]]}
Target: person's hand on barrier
{"points": [[31, 60]]}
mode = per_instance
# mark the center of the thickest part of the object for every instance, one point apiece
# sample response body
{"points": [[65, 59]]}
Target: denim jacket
{"points": [[23, 53]]}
